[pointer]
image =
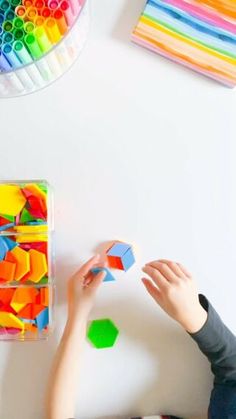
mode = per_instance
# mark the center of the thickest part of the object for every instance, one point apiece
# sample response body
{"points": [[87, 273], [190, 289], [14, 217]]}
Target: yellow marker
{"points": [[22, 262], [9, 320], [38, 265], [12, 200], [52, 30]]}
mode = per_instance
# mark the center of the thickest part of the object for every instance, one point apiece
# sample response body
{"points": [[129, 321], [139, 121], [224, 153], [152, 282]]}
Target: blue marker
{"points": [[11, 56], [4, 64]]}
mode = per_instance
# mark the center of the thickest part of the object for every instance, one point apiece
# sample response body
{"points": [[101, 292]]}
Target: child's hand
{"points": [[174, 289], [82, 288]]}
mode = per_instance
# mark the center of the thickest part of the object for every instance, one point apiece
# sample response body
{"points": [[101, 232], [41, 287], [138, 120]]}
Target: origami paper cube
{"points": [[120, 256], [199, 34]]}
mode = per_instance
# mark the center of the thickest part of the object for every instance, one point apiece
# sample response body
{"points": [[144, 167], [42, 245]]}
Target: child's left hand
{"points": [[82, 289]]}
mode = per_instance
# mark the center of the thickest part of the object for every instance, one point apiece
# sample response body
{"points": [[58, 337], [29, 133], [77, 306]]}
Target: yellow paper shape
{"points": [[22, 262], [17, 306], [31, 238], [12, 199], [38, 265], [10, 320], [31, 229]]}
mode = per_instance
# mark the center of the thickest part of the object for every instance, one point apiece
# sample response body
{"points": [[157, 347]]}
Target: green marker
{"points": [[9, 14], [42, 38], [7, 26], [18, 23], [8, 38], [22, 52], [33, 46], [4, 5], [18, 34], [29, 27], [15, 3]]}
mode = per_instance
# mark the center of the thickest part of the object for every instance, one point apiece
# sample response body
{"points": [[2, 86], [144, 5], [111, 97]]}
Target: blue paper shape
{"points": [[6, 226], [128, 259], [42, 319], [118, 249], [108, 277], [10, 243], [3, 249], [27, 320]]}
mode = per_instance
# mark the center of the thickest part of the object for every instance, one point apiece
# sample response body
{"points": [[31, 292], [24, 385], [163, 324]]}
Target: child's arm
{"points": [[82, 288], [174, 289]]}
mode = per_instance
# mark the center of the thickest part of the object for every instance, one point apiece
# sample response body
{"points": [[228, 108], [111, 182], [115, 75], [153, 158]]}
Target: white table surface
{"points": [[141, 150]]}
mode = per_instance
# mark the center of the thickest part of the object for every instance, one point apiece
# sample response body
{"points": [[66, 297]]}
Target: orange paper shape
{"points": [[7, 270], [6, 295], [38, 265], [36, 309], [44, 296], [24, 295], [114, 262], [23, 262], [26, 312], [10, 258]]}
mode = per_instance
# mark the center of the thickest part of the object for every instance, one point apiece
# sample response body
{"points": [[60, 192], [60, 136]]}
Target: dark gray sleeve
{"points": [[218, 343]]}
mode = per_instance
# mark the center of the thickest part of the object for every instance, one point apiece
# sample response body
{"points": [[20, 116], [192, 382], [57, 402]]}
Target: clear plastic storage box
{"points": [[26, 260], [39, 41]]}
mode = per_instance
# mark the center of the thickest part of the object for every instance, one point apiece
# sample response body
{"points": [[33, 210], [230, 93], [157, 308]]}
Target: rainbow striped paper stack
{"points": [[200, 34]]}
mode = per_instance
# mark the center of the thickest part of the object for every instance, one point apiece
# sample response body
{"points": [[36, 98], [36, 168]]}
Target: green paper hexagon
{"points": [[102, 333]]}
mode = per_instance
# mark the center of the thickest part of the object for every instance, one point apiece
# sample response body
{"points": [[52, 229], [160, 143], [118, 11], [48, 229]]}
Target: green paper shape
{"points": [[26, 216], [43, 187], [43, 280], [8, 217], [102, 333]]}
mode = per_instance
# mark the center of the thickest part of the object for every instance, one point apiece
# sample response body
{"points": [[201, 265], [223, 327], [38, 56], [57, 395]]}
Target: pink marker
{"points": [[53, 4], [66, 9]]}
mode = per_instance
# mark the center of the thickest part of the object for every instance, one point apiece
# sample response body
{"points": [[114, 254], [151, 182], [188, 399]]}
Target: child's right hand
{"points": [[174, 289]]}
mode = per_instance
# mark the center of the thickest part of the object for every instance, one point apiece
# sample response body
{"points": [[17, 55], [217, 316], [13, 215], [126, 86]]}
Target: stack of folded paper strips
{"points": [[200, 34], [25, 260]]}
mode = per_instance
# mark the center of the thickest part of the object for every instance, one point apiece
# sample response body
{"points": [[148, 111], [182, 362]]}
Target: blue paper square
{"points": [[10, 243], [128, 259], [118, 249], [108, 277]]}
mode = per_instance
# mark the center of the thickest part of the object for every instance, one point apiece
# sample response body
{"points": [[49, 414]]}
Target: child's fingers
{"points": [[152, 289], [97, 280], [173, 266], [156, 276], [85, 269], [184, 270], [165, 270]]}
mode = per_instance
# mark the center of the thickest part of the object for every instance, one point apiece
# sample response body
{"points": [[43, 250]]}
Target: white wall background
{"points": [[142, 150]]}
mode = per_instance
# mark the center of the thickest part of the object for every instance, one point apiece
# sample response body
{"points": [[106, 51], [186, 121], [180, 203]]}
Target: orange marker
{"points": [[61, 21], [20, 11], [27, 3], [32, 13], [39, 21]]}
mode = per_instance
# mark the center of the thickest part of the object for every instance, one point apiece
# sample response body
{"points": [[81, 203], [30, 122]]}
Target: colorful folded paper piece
{"points": [[120, 256], [200, 34], [108, 277], [24, 310], [102, 333]]}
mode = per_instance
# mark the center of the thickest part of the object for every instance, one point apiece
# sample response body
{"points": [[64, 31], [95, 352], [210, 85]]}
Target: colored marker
{"points": [[26, 58], [66, 9], [32, 45], [29, 27], [4, 5], [39, 4], [11, 56], [18, 23], [53, 4], [9, 14], [52, 30], [15, 3], [27, 3], [61, 21], [39, 21], [31, 13], [8, 38], [18, 34], [46, 12], [4, 64], [42, 38], [20, 11], [1, 18], [7, 26], [75, 6]]}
